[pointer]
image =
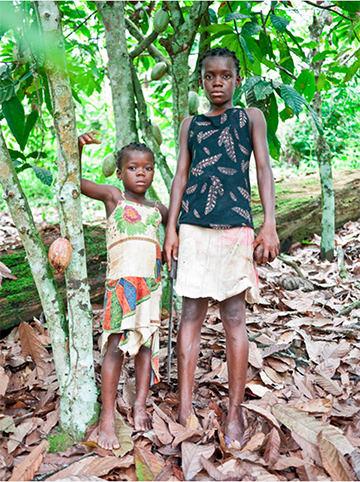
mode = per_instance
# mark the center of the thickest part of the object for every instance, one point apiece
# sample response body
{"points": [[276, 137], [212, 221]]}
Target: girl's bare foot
{"points": [[235, 426], [184, 413], [141, 418], [107, 438]]}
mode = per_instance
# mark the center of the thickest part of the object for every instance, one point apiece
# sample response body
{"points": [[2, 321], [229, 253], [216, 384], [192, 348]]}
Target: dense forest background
{"points": [[129, 70]]}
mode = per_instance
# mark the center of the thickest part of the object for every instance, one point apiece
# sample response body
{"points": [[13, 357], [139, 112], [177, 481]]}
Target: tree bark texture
{"points": [[323, 153], [119, 71], [178, 46], [298, 216], [150, 140], [79, 396], [37, 260]]}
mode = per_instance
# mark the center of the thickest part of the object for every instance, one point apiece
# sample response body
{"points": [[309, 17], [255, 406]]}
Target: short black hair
{"points": [[220, 52], [133, 146]]}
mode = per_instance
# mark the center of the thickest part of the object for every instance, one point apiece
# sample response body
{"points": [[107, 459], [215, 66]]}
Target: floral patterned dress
{"points": [[133, 283]]}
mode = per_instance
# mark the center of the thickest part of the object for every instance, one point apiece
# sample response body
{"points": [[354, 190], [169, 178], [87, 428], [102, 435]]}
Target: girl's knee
{"points": [[194, 310]]}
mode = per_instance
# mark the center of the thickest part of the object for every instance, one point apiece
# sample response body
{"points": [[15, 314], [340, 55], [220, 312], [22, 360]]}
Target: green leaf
{"points": [[352, 71], [305, 84], [246, 48], [35, 154], [280, 23], [274, 148], [262, 89], [250, 83], [236, 16], [321, 82], [6, 90], [323, 55], [15, 116], [292, 98], [43, 174], [16, 155], [212, 15], [272, 118], [217, 28], [250, 29], [286, 114], [351, 6], [30, 122], [265, 45]]}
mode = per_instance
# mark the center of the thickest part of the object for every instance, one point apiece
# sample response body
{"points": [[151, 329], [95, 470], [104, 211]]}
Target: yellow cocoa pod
{"points": [[109, 165], [194, 102], [60, 254], [157, 133], [158, 71], [161, 21]]}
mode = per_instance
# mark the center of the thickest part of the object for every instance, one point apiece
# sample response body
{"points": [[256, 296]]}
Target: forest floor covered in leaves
{"points": [[302, 401]]}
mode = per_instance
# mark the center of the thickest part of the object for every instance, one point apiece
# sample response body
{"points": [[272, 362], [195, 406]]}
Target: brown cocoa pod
{"points": [[258, 254], [60, 254]]}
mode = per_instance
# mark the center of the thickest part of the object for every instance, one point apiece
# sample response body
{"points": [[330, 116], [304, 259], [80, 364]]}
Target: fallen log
{"points": [[298, 214]]}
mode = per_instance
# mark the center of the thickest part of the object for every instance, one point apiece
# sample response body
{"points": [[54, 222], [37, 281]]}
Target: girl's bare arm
{"points": [[101, 192], [179, 184], [267, 236]]}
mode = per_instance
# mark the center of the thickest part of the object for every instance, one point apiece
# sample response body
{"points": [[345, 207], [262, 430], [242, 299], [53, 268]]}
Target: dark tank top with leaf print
{"points": [[218, 191]]}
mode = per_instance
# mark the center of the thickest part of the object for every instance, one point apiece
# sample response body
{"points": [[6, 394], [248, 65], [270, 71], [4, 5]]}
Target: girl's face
{"points": [[137, 171], [219, 79]]}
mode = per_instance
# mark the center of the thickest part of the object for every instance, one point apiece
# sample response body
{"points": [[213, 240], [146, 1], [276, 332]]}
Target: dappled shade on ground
{"points": [[302, 397]]}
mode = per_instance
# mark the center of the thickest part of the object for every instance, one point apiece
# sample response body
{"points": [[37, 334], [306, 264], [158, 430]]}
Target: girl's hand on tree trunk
{"points": [[88, 138]]}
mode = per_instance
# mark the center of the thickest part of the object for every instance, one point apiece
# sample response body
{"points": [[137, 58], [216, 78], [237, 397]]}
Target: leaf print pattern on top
{"points": [[191, 189], [242, 118], [204, 135], [226, 139], [228, 171], [245, 193], [242, 212], [220, 151], [216, 189], [129, 220]]}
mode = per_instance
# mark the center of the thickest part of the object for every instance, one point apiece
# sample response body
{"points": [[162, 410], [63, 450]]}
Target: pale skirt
{"points": [[216, 263]]}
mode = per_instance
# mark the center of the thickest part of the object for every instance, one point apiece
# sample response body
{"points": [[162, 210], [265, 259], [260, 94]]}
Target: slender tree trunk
{"points": [[38, 261], [119, 71], [323, 153], [78, 401], [178, 47]]}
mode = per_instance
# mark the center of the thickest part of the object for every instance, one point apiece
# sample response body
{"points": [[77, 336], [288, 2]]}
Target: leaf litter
{"points": [[302, 400]]}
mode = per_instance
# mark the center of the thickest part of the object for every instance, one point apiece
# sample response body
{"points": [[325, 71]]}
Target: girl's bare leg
{"points": [[188, 346], [110, 374], [142, 377], [232, 312]]}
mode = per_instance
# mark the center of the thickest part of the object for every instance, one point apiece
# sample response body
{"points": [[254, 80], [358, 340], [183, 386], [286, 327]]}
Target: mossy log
{"points": [[19, 300], [298, 214]]}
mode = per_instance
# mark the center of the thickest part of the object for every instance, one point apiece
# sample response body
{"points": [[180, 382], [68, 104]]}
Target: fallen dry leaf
{"points": [[191, 458], [29, 466]]}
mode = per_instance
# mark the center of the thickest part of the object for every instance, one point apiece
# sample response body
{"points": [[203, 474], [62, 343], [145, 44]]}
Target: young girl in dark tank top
{"points": [[214, 249]]}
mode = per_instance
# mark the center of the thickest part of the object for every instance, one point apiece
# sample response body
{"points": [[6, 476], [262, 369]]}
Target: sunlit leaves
{"points": [[280, 23], [43, 174], [305, 84]]}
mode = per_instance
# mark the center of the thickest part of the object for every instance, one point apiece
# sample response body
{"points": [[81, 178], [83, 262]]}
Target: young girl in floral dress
{"points": [[133, 288]]}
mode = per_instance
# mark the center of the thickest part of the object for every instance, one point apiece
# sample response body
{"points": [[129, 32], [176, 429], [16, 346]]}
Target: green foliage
{"points": [[60, 441]]}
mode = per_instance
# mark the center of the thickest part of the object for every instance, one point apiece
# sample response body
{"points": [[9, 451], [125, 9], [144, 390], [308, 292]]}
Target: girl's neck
{"points": [[134, 197], [219, 109]]}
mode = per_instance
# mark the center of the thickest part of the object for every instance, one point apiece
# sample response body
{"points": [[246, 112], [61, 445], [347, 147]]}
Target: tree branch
{"points": [[144, 44], [329, 9], [82, 23], [238, 36], [135, 32]]}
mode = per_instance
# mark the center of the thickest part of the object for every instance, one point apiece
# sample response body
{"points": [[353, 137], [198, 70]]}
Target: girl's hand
{"points": [[88, 138], [171, 247], [266, 245]]}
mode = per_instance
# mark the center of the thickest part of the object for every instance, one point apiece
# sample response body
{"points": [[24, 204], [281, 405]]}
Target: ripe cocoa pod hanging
{"points": [[161, 21], [109, 165], [60, 254], [157, 133], [194, 101], [158, 71]]}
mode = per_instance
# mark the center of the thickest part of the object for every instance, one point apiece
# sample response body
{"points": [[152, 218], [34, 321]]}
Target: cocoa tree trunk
{"points": [[78, 405], [38, 261], [119, 71], [323, 153], [178, 47]]}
